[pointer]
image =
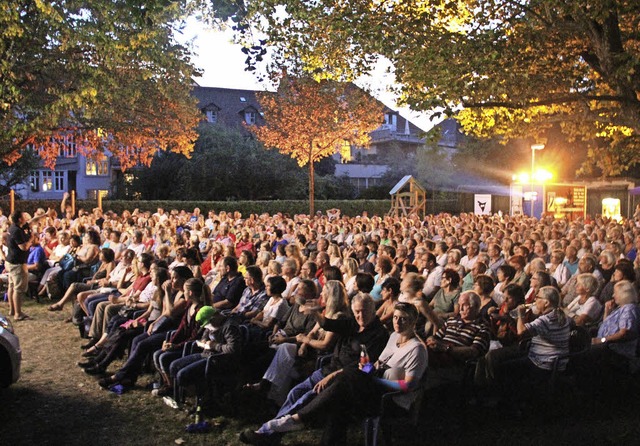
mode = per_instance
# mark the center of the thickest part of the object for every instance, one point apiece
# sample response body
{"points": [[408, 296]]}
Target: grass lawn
{"points": [[55, 403]]}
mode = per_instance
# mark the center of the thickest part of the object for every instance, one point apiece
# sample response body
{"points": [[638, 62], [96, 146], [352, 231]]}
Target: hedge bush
{"points": [[291, 207]]}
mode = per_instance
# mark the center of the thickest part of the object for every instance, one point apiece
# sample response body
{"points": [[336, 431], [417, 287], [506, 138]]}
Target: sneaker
{"points": [[162, 391], [283, 424], [171, 402]]}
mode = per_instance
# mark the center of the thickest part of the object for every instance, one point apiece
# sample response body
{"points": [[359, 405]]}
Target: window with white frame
{"points": [[99, 167], [390, 121], [212, 116], [34, 181], [47, 180], [250, 117], [67, 147], [58, 181]]}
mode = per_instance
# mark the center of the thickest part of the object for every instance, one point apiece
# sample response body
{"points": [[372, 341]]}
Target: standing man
{"points": [[19, 242]]}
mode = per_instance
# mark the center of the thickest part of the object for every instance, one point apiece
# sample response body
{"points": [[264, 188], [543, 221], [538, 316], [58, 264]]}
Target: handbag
{"points": [[67, 262]]}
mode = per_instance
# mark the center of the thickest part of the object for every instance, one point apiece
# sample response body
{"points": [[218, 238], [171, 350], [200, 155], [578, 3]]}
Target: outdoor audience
{"points": [[503, 292]]}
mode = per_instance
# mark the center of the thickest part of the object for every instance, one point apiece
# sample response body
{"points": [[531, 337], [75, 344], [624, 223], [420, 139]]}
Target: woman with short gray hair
{"points": [[585, 309]]}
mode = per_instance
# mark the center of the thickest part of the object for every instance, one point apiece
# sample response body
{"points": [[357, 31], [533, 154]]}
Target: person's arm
{"points": [[232, 341]]}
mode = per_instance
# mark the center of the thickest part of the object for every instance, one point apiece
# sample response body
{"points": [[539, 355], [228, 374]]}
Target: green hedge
{"points": [[291, 207]]}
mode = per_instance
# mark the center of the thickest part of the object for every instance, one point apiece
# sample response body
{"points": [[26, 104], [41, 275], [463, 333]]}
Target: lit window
{"points": [[94, 168], [47, 181]]}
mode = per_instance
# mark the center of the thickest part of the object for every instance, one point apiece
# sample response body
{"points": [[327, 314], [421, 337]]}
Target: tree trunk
{"points": [[312, 190]]}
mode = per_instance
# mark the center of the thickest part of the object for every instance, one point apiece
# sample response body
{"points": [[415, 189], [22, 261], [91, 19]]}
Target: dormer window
{"points": [[212, 116], [250, 117], [390, 121]]}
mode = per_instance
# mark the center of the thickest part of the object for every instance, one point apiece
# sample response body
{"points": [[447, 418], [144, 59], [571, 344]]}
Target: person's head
{"points": [[624, 271], [93, 237], [364, 309], [405, 316], [275, 286], [385, 264], [332, 273], [179, 276], [274, 268], [586, 284], [505, 273], [412, 284], [159, 276], [547, 299], [472, 248], [453, 257], [469, 304], [350, 267], [587, 264], [246, 258], [557, 256], [229, 265], [364, 282], [107, 255], [478, 268], [483, 284], [450, 279], [306, 290], [308, 270], [390, 289], [144, 261], [571, 253], [513, 295], [253, 277], [540, 279], [518, 262], [335, 298], [209, 318], [624, 292], [197, 292], [607, 260], [493, 250]]}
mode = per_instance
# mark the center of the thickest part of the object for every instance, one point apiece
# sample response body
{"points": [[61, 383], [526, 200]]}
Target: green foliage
{"points": [[16, 173], [504, 68], [107, 74]]}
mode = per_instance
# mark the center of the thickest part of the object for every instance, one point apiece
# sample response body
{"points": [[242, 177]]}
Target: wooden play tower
{"points": [[407, 198]]}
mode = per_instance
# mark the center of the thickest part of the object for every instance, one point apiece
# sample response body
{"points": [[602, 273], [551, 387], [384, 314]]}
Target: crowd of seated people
{"points": [[270, 293]]}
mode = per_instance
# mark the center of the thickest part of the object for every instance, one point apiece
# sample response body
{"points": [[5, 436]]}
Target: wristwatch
{"points": [[603, 340]]}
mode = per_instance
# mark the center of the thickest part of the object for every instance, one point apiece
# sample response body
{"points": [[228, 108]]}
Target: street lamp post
{"points": [[534, 147]]}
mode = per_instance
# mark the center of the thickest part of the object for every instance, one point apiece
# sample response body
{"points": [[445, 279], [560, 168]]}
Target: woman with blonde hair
{"points": [[335, 257], [262, 261], [349, 270]]}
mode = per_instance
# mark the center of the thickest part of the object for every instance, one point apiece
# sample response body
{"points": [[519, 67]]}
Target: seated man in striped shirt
{"points": [[462, 337]]}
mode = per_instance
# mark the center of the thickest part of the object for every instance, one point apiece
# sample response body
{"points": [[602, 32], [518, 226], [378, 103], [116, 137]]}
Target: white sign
{"points": [[516, 199], [482, 204]]}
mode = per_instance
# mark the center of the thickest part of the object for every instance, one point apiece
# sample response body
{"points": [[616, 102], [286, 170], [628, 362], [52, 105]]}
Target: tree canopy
{"points": [[309, 120], [505, 68], [104, 75]]}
